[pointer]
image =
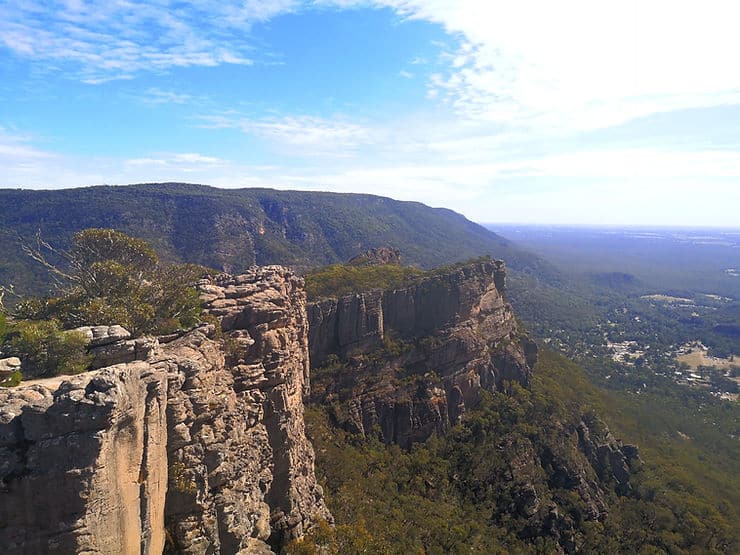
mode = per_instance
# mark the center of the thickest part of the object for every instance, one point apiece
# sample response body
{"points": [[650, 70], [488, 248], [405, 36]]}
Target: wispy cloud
{"points": [[154, 95], [18, 148], [622, 185], [185, 161], [303, 134], [98, 41], [517, 99], [579, 64]]}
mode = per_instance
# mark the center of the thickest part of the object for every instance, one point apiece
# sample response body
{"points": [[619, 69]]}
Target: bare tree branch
{"points": [[60, 277], [7, 290]]}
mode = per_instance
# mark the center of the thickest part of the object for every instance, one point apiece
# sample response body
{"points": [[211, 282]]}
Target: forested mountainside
{"points": [[436, 432], [234, 229]]}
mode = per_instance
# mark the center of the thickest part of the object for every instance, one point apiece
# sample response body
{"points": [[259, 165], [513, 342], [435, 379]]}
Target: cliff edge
{"points": [[200, 448], [408, 362]]}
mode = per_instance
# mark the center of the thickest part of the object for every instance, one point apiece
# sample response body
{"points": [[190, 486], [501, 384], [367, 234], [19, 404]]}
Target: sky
{"points": [[571, 112]]}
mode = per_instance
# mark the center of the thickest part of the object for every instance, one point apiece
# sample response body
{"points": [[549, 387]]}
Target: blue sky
{"points": [[579, 111]]}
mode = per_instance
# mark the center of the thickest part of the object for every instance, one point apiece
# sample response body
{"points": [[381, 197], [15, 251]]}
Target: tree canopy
{"points": [[105, 278], [110, 278]]}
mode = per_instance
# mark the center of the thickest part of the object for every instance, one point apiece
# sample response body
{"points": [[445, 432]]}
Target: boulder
{"points": [[98, 336]]}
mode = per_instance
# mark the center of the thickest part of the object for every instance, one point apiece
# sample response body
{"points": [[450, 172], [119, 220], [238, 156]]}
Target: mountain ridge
{"points": [[234, 229]]}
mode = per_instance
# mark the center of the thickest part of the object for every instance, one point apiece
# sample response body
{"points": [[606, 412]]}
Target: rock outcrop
{"points": [[584, 459], [413, 359], [613, 461], [9, 367], [380, 255], [254, 447], [408, 363], [110, 345], [197, 449], [359, 322], [84, 466]]}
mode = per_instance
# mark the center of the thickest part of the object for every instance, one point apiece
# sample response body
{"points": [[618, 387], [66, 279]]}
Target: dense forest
{"points": [[450, 494], [231, 230]]}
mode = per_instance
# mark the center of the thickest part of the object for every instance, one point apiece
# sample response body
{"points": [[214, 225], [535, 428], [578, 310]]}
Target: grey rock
{"points": [[124, 351], [9, 365], [98, 336], [188, 451]]}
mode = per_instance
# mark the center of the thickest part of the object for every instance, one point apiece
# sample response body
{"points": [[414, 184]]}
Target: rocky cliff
{"points": [[407, 362], [200, 448]]}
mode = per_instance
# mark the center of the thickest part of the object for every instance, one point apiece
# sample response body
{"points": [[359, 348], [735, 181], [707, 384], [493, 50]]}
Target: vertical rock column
{"points": [[237, 441], [83, 464]]}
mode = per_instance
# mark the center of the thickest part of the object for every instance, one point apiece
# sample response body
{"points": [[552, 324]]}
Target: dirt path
{"points": [[52, 384]]}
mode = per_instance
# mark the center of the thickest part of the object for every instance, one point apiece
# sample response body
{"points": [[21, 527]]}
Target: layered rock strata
{"points": [[109, 345], [197, 449], [408, 363], [413, 359], [84, 465]]}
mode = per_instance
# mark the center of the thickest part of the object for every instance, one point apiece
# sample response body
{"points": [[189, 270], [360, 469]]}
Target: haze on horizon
{"points": [[575, 112]]}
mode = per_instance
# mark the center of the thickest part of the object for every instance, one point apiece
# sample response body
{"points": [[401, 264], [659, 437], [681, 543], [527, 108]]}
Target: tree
{"points": [[110, 278]]}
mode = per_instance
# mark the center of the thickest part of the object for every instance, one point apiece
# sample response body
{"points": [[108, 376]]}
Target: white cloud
{"points": [[18, 147], [155, 95], [570, 65], [301, 135], [611, 186], [641, 163], [185, 160], [580, 64], [511, 93], [99, 41]]}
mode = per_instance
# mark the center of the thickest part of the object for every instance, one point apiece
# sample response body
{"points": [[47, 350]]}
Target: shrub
{"points": [[11, 381], [46, 351], [343, 279], [3, 327]]}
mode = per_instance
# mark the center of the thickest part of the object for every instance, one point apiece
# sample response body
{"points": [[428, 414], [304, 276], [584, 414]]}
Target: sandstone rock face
{"points": [[194, 450], [415, 358], [84, 467], [583, 458], [613, 461], [360, 321], [97, 336], [380, 255], [237, 430], [109, 345]]}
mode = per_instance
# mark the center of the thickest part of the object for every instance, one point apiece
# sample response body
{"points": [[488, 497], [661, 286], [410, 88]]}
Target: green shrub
{"points": [[3, 327], [112, 278], [46, 351], [344, 279], [11, 381]]}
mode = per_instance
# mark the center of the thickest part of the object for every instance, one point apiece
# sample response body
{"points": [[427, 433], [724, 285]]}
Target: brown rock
{"points": [[187, 451], [459, 336], [84, 467]]}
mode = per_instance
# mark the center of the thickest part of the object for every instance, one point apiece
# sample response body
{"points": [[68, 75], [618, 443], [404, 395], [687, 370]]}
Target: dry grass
{"points": [[697, 358]]}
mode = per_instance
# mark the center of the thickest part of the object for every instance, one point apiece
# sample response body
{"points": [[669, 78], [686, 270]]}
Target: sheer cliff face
{"points": [[263, 315], [413, 359], [84, 466], [194, 450]]}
